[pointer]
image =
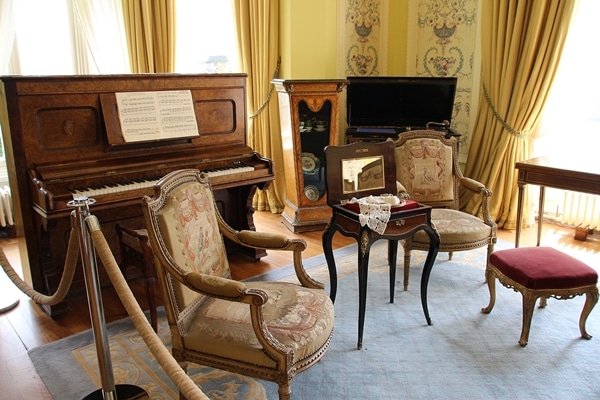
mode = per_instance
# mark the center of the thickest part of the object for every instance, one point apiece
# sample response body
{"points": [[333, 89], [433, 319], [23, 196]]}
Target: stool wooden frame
{"points": [[136, 252], [530, 297]]}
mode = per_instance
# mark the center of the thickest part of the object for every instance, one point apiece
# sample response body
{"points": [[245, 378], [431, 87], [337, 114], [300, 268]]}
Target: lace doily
{"points": [[375, 211]]}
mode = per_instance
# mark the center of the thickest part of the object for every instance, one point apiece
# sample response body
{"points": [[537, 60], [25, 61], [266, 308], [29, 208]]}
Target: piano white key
{"points": [[148, 183]]}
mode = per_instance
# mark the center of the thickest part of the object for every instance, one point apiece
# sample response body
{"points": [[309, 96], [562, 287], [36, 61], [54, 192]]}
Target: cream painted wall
{"points": [[397, 38], [308, 38]]}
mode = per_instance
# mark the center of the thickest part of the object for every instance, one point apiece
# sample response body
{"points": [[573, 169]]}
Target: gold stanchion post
{"points": [[109, 390]]}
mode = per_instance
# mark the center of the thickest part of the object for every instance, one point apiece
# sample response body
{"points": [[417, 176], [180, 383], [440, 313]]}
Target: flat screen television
{"points": [[399, 102]]}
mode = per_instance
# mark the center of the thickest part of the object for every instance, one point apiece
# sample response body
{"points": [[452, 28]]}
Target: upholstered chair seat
{"points": [[457, 228], [296, 317]]}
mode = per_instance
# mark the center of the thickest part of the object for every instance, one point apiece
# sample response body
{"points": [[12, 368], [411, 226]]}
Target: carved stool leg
{"points": [[591, 298], [529, 300], [490, 278]]}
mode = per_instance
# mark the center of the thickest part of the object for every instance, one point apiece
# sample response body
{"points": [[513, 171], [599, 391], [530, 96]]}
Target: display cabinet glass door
{"points": [[314, 137]]}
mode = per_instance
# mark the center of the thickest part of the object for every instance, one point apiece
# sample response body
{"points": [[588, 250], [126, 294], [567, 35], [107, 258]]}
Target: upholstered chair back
{"points": [[186, 220], [427, 167]]}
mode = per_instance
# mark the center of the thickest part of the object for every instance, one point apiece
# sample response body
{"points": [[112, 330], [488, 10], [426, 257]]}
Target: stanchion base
{"points": [[7, 305], [124, 392]]}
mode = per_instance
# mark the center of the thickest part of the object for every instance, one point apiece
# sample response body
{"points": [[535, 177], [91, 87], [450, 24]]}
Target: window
{"points": [[43, 37], [64, 37], [206, 37], [571, 122], [571, 118]]}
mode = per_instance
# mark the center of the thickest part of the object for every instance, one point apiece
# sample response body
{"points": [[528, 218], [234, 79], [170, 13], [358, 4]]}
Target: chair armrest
{"points": [[479, 188], [271, 241], [216, 286], [226, 289], [475, 186], [260, 240]]}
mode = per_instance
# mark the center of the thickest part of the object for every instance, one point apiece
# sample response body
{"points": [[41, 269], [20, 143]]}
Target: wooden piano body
{"points": [[62, 134]]}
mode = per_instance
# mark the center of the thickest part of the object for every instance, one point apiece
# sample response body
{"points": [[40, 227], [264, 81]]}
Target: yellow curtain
{"points": [[258, 35], [522, 41], [150, 29]]}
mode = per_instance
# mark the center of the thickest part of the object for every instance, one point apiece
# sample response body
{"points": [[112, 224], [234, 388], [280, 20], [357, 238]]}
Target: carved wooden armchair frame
{"points": [[267, 330]]}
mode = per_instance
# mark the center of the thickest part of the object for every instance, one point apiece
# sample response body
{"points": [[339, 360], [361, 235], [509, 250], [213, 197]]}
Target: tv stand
{"points": [[378, 134]]}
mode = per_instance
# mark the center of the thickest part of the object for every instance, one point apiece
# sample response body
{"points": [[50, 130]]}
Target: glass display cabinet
{"points": [[309, 114]]}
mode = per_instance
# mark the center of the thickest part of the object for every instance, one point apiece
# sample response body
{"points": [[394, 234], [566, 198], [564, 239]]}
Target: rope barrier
{"points": [[65, 280], [180, 378]]}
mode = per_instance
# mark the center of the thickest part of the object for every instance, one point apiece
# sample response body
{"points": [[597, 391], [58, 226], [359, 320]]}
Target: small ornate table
{"points": [[402, 224], [557, 173]]}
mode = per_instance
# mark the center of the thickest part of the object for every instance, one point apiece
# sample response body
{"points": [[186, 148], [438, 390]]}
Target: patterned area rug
{"points": [[463, 355]]}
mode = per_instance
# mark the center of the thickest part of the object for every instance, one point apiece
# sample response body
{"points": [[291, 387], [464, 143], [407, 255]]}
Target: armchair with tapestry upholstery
{"points": [[266, 330], [428, 172]]}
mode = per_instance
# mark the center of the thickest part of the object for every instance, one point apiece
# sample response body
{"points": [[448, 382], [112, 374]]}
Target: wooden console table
{"points": [[559, 173]]}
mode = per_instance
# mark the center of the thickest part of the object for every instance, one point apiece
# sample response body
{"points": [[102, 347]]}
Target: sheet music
{"points": [[160, 115]]}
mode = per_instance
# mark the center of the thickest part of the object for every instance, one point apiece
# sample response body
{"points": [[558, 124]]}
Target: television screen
{"points": [[398, 102]]}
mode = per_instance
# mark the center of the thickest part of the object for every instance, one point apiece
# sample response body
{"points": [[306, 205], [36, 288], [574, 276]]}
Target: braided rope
{"points": [[271, 90], [521, 135], [180, 378], [65, 280], [165, 359]]}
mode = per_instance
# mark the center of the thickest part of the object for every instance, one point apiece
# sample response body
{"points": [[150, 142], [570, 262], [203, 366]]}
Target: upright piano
{"points": [[63, 137]]}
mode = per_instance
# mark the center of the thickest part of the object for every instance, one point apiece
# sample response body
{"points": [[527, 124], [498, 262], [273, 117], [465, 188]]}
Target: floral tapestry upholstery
{"points": [[424, 167], [189, 225], [299, 318], [457, 229]]}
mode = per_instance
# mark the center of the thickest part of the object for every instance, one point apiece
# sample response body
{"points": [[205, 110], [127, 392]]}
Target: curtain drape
{"points": [[98, 37], [521, 44], [258, 36], [150, 29]]}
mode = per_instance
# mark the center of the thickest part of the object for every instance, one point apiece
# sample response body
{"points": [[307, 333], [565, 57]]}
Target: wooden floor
{"points": [[28, 326]]}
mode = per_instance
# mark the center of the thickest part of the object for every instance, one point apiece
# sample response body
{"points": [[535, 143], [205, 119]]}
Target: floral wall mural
{"points": [[444, 43], [365, 33], [363, 40]]}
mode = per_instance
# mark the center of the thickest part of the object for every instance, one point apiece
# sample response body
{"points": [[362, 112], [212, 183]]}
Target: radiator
{"points": [[581, 209], [6, 213]]}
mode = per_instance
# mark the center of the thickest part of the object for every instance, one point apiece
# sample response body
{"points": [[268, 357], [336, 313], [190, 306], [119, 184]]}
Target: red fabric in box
{"points": [[543, 268], [409, 205]]}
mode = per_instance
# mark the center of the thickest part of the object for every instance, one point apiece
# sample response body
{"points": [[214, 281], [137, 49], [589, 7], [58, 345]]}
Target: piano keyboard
{"points": [[148, 183]]}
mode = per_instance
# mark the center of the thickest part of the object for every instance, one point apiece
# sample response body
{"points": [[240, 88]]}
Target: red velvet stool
{"points": [[542, 272]]}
